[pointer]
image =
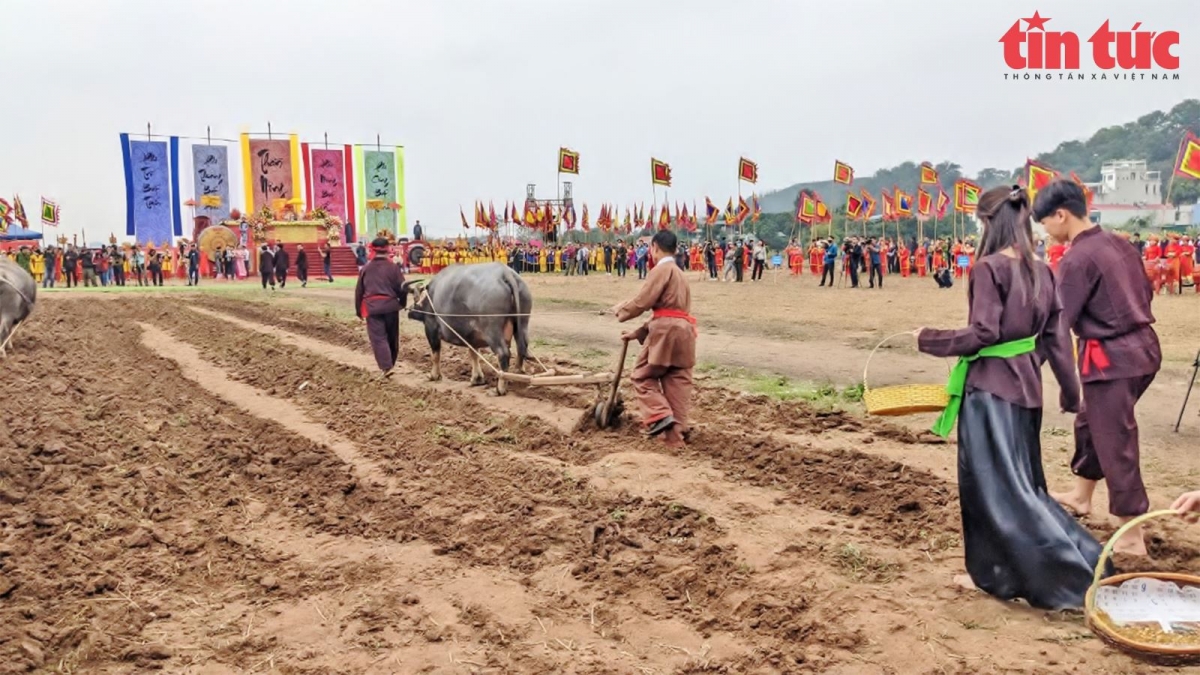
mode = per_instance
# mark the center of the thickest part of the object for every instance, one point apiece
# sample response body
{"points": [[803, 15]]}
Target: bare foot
{"points": [[1131, 545], [964, 582], [1072, 503]]}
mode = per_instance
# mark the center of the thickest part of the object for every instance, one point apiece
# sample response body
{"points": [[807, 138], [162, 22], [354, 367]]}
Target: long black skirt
{"points": [[1019, 542]]}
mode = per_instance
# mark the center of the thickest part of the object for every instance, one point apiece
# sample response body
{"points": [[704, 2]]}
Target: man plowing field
{"points": [[662, 376]]}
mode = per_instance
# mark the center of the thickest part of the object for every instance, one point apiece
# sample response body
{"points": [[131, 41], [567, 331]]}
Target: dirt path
{"points": [[254, 402], [561, 418], [240, 506], [761, 536]]}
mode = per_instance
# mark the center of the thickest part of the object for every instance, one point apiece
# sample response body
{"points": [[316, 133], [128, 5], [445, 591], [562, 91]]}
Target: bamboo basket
{"points": [[1106, 630], [902, 399]]}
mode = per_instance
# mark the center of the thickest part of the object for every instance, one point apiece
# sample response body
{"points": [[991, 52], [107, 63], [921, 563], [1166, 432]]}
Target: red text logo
{"points": [[1036, 48]]}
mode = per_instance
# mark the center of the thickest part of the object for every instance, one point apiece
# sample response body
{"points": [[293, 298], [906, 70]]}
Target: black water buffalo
{"points": [[487, 306], [18, 292]]}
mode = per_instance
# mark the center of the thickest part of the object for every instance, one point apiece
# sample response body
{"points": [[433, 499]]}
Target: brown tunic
{"points": [[669, 342], [1106, 297], [380, 289], [1005, 308]]}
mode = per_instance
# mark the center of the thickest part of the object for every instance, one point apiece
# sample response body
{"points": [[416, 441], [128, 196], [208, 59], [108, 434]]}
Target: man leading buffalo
{"points": [[378, 298], [662, 376]]}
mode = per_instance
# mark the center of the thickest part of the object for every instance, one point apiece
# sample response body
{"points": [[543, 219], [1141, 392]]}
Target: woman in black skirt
{"points": [[1019, 542]]}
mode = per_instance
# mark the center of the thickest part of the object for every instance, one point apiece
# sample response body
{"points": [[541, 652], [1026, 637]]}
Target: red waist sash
{"points": [[1093, 355], [372, 297], [677, 314]]}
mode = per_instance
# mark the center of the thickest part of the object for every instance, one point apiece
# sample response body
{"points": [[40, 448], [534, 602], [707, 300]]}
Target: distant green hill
{"points": [[1153, 137]]}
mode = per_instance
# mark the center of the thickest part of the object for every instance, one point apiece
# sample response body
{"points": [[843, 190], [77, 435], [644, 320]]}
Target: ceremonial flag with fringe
{"points": [[1187, 162], [660, 172], [1038, 176], [568, 161], [747, 171], [843, 173], [868, 208], [854, 205], [929, 175]]}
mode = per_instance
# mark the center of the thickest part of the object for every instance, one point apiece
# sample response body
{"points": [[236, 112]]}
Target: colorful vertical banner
{"points": [[351, 236], [379, 178], [360, 223], [147, 190], [269, 171], [210, 178], [402, 215], [327, 182]]}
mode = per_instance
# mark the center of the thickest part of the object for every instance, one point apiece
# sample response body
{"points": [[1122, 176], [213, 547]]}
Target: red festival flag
{"points": [[660, 172], [1187, 163], [664, 217], [464, 218], [854, 205], [583, 222], [903, 203], [711, 212], [492, 222], [568, 161], [757, 208], [747, 171], [888, 205], [1038, 176], [929, 175], [924, 203], [943, 201], [843, 173]]}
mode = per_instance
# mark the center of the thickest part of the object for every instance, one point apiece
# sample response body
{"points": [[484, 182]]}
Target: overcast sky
{"points": [[483, 92]]}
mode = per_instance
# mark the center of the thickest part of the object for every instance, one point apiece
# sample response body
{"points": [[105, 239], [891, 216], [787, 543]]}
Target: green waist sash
{"points": [[958, 378]]}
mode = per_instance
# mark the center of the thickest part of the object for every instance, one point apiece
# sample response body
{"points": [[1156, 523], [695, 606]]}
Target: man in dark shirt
{"points": [[70, 260], [378, 299], [302, 266], [193, 264], [739, 260], [830, 267], [281, 265], [855, 261], [874, 252], [266, 266], [608, 258], [1105, 299], [710, 258], [326, 263], [88, 262]]}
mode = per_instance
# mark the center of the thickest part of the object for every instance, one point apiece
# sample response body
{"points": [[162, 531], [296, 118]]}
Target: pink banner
{"points": [[270, 171], [329, 182]]}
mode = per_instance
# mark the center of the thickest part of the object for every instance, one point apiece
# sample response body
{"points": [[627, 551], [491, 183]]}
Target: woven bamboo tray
{"points": [[1106, 630], [901, 399]]}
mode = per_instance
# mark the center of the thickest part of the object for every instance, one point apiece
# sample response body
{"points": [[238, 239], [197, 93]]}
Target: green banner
{"points": [[379, 183]]}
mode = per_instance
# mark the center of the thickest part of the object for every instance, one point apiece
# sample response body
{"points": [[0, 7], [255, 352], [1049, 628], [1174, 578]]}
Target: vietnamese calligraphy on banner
{"points": [[379, 176], [210, 166], [270, 171], [329, 182], [149, 181]]}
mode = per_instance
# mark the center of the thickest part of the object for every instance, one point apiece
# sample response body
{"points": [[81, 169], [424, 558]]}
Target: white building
{"points": [[1129, 194]]}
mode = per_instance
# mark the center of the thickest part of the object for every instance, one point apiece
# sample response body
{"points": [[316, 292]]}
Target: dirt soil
{"points": [[232, 488]]}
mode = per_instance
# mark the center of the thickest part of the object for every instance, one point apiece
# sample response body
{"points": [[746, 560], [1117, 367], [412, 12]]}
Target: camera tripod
{"points": [[1192, 383]]}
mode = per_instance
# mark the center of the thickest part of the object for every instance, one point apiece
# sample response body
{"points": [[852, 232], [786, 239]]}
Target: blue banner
{"points": [[210, 168], [148, 190]]}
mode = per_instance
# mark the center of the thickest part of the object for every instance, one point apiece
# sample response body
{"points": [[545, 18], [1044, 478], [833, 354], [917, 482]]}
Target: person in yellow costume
{"points": [[37, 265], [502, 256]]}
